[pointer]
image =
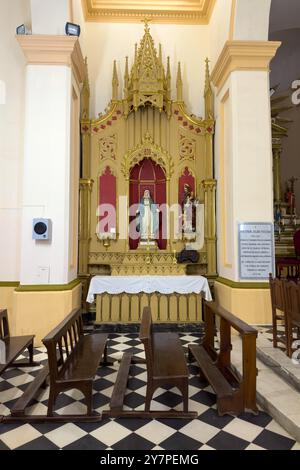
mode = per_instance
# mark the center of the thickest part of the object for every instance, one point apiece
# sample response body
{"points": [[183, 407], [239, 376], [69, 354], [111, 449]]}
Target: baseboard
{"points": [[127, 328]]}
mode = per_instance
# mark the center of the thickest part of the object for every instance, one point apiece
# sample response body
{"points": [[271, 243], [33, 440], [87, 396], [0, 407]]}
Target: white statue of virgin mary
{"points": [[147, 217]]}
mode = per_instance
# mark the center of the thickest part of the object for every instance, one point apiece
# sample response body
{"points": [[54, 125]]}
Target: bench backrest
{"points": [[61, 342], [277, 293], [4, 326], [146, 338], [236, 323], [222, 356], [292, 299]]}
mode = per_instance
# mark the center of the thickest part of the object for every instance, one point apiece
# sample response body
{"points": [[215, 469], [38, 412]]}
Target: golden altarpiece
{"points": [[145, 140]]}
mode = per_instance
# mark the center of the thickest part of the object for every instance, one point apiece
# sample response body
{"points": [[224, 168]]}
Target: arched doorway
{"points": [[147, 175]]}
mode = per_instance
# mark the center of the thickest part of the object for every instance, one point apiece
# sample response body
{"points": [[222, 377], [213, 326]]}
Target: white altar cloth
{"points": [[149, 285]]}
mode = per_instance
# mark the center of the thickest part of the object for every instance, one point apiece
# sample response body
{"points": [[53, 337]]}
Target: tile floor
{"points": [[209, 431]]}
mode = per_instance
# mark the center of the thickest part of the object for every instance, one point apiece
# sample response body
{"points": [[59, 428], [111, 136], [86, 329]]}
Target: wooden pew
{"points": [[278, 310], [78, 359], [73, 360], [166, 365], [14, 346], [292, 312], [235, 394]]}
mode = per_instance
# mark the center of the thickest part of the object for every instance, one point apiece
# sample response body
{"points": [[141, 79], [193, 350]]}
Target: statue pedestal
{"points": [[147, 245]]}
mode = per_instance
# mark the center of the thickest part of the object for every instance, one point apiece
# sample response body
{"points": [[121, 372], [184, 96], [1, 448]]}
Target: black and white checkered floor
{"points": [[209, 431]]}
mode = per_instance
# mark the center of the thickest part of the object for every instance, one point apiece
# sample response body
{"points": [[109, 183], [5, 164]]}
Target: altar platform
{"points": [[174, 299]]}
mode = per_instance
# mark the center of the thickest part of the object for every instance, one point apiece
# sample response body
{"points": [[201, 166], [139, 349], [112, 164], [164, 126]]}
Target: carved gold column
{"points": [[85, 126], [210, 122], [86, 186], [277, 150], [209, 187]]}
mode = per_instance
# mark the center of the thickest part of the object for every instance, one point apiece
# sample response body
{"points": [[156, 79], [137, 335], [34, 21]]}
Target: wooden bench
{"points": [[73, 360], [292, 313], [14, 346], [235, 393], [166, 365], [278, 310]]}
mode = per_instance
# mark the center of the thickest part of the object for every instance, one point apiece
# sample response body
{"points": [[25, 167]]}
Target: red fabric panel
{"points": [[107, 195], [161, 194], [185, 178], [147, 171]]}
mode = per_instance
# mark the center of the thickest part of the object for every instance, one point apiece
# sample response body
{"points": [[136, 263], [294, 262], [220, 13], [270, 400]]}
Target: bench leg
{"points": [[149, 395], [51, 401], [184, 388], [30, 350], [190, 356], [106, 361], [87, 390]]}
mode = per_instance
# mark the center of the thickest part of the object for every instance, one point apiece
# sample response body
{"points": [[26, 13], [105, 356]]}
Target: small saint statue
{"points": [[188, 210], [290, 196], [147, 218]]}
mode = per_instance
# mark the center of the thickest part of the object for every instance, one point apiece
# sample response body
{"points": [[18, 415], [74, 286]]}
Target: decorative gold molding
{"points": [[113, 106], [54, 50], [242, 285], [49, 287], [9, 284], [195, 120], [159, 11], [243, 55], [145, 150]]}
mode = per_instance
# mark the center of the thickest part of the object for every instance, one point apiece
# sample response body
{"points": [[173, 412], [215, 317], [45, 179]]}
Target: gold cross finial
{"points": [[146, 21]]}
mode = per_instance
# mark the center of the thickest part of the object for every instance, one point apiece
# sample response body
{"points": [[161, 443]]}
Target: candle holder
{"points": [[174, 252], [106, 238]]}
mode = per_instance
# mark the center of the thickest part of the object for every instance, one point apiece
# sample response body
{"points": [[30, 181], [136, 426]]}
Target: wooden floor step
{"points": [[120, 387], [19, 407], [211, 371]]}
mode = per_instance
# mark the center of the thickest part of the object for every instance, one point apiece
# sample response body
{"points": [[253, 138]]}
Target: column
{"points": [[243, 154], [49, 288], [209, 187], [277, 150]]}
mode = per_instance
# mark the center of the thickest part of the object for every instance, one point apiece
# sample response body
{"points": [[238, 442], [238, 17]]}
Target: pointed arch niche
{"points": [[148, 175]]}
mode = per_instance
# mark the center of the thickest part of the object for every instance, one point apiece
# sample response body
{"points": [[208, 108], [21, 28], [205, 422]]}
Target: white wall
{"points": [[219, 28], [50, 17], [106, 42], [77, 17], [12, 77]]}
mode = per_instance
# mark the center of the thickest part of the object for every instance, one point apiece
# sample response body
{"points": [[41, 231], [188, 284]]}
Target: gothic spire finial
{"points": [[207, 74], [126, 78], [115, 83], [179, 83], [85, 93], [208, 93]]}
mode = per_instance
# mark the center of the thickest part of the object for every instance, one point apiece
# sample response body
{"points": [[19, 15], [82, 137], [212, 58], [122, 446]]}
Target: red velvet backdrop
{"points": [[107, 195], [148, 175], [185, 178]]}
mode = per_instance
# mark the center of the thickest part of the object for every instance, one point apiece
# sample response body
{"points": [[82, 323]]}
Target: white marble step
{"points": [[274, 394]]}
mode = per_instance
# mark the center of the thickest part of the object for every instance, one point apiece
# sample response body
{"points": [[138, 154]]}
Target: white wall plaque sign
{"points": [[256, 250]]}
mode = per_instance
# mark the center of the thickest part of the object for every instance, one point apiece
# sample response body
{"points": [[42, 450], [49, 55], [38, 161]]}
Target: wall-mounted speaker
{"points": [[41, 229]]}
